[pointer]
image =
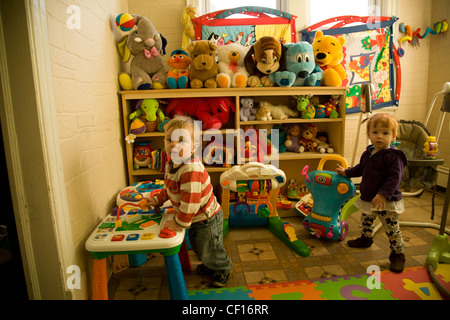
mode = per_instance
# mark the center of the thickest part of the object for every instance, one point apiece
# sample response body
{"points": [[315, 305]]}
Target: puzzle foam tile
{"points": [[351, 288], [296, 290], [237, 293], [412, 284]]}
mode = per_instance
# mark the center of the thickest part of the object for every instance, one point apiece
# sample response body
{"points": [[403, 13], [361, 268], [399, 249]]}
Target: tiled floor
{"points": [[259, 257]]}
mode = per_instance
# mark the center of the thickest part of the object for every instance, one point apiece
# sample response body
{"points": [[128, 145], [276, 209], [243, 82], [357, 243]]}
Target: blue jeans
{"points": [[206, 239]]}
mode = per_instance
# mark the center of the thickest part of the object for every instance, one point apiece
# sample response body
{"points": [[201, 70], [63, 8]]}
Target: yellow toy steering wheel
{"points": [[332, 157]]}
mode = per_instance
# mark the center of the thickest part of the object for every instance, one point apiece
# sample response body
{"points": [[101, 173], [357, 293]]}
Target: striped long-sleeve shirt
{"points": [[190, 191]]}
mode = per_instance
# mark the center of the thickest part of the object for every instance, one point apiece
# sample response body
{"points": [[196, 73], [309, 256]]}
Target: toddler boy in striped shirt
{"points": [[188, 187]]}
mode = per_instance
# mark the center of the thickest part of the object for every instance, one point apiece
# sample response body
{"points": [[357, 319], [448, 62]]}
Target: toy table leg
{"points": [[100, 281], [177, 286]]}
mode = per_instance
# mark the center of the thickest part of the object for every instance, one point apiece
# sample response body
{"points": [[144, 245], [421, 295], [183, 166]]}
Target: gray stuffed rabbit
{"points": [[145, 46]]}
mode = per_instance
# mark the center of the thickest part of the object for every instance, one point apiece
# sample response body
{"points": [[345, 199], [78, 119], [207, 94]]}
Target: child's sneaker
{"points": [[220, 279], [361, 242], [204, 270], [397, 262]]}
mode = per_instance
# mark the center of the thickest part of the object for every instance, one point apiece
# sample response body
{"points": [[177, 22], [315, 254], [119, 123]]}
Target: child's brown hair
{"points": [[387, 120]]}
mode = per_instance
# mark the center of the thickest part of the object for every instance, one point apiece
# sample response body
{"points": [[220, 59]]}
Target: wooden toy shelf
{"points": [[290, 162]]}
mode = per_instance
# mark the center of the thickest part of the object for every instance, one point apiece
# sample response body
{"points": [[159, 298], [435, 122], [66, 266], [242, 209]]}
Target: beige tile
{"points": [[314, 272], [277, 275], [253, 277], [335, 270]]}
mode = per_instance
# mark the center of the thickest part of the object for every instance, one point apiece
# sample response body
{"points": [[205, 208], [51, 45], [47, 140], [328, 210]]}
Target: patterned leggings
{"points": [[391, 225]]}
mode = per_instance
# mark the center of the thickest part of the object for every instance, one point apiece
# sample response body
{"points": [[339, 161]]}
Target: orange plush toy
{"points": [[178, 76], [328, 55]]}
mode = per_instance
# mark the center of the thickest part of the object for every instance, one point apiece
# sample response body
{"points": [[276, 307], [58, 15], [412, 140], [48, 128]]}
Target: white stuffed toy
{"points": [[279, 112], [232, 71]]}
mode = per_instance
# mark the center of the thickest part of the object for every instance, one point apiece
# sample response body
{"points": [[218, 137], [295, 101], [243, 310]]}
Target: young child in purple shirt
{"points": [[381, 167]]}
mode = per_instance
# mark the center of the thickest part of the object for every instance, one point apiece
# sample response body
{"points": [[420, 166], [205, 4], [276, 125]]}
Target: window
{"points": [[325, 9], [215, 5]]}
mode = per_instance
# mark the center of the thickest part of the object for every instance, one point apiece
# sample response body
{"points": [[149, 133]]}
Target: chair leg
{"points": [[432, 201]]}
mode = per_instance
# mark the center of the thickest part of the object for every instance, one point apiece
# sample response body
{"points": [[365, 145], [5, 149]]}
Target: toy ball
{"points": [[125, 21]]}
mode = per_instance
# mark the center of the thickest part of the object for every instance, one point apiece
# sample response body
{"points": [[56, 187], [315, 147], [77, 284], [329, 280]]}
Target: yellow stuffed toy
{"points": [[188, 14], [328, 55]]}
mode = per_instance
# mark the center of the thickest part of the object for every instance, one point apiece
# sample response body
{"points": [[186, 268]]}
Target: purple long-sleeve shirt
{"points": [[381, 173]]}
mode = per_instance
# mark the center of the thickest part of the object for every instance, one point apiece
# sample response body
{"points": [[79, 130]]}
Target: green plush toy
{"points": [[149, 107]]}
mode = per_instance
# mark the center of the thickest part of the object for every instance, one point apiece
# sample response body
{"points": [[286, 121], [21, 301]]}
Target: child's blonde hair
{"points": [[184, 122], [385, 119]]}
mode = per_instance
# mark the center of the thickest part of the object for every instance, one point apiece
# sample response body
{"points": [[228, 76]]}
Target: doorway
{"points": [[12, 276]]}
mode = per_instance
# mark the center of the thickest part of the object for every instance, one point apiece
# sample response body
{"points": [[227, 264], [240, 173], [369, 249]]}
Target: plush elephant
{"points": [[145, 46]]}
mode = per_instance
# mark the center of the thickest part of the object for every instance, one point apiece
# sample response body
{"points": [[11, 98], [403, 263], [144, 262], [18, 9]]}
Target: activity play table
{"points": [[108, 240]]}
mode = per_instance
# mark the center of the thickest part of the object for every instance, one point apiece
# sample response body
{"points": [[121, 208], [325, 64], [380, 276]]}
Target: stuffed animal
{"points": [[307, 110], [292, 142], [178, 76], [328, 54], [188, 14], [322, 143], [212, 112], [232, 72], [279, 144], [150, 108], [308, 138], [301, 69], [266, 56], [246, 110], [264, 112], [331, 107], [279, 112], [145, 46], [204, 68]]}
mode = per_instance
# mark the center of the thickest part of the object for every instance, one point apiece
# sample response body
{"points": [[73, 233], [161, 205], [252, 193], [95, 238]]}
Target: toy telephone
{"points": [[330, 192]]}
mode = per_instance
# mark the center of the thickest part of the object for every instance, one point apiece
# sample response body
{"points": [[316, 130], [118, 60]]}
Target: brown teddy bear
{"points": [[204, 68]]}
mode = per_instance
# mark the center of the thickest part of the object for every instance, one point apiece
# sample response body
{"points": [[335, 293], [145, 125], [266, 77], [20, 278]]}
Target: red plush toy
{"points": [[212, 112]]}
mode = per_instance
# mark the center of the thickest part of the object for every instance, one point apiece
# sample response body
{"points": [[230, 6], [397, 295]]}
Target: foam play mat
{"points": [[412, 284]]}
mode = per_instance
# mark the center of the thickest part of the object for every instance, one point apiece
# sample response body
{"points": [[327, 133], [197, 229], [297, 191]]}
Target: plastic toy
{"points": [[125, 21], [142, 156], [256, 187], [430, 147], [330, 192], [414, 37]]}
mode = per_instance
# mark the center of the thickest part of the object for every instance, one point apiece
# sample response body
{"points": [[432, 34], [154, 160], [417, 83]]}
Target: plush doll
{"points": [[204, 68], [145, 46], [188, 14], [331, 107], [212, 112], [264, 112], [246, 110], [281, 138], [322, 143], [266, 56], [308, 138], [307, 110], [292, 142], [149, 107], [301, 69], [232, 72], [328, 54], [279, 112], [178, 76]]}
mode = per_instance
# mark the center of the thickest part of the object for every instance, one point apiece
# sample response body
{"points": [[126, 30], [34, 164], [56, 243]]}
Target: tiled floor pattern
{"points": [[259, 257]]}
